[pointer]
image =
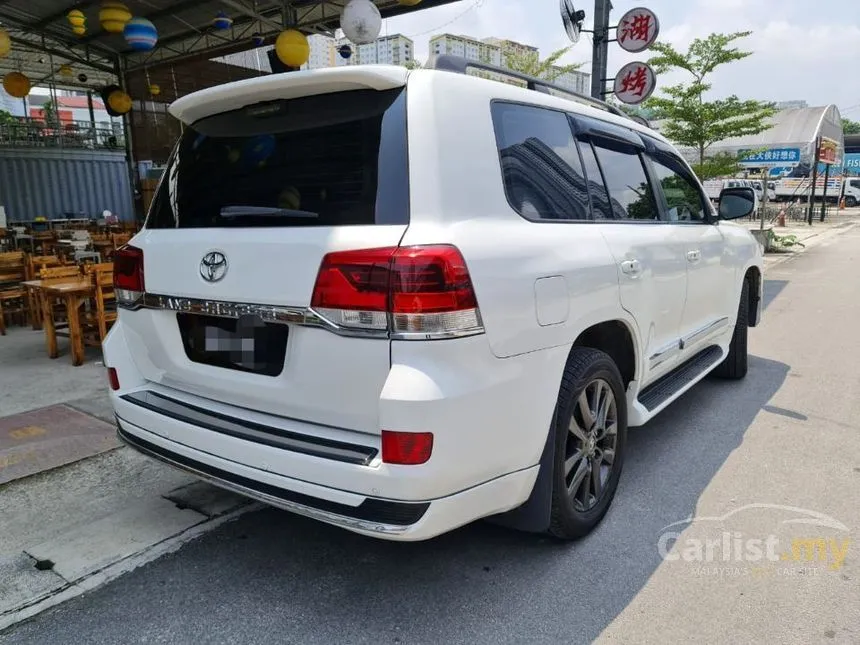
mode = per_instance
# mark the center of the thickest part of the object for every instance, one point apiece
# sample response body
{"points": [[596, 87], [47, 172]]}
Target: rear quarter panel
{"points": [[457, 196]]}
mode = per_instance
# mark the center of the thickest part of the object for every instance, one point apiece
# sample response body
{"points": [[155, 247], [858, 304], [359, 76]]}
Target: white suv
{"points": [[399, 301]]}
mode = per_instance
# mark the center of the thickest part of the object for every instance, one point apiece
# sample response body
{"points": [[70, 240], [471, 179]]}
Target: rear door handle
{"points": [[694, 256], [631, 268]]}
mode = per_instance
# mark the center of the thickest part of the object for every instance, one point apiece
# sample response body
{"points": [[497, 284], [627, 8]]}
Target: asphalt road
{"points": [[776, 456]]}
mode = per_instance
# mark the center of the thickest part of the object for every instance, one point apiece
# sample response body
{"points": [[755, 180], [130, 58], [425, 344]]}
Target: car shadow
{"points": [[272, 574], [770, 290]]}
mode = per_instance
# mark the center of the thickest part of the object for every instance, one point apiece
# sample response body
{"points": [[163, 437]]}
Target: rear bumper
{"points": [[382, 518]]}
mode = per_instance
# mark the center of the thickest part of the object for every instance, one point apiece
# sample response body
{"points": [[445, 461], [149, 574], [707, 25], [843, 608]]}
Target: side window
{"points": [[540, 164], [597, 189], [683, 197], [630, 192]]}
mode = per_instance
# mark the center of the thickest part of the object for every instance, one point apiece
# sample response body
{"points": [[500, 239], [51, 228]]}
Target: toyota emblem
{"points": [[213, 266]]}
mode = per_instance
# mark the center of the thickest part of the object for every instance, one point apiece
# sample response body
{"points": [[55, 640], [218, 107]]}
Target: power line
{"points": [[475, 5]]}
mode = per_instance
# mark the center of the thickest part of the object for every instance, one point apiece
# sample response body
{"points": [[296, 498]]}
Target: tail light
{"points": [[128, 275], [406, 448], [113, 378], [416, 292]]}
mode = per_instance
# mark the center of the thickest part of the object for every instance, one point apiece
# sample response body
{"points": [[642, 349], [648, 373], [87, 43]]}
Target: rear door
{"points": [[652, 270], [708, 305], [251, 201]]}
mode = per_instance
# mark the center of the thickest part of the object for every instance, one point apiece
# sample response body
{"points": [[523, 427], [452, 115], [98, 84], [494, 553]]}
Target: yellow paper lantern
{"points": [[292, 48], [409, 3], [66, 70], [113, 16], [119, 102], [5, 44], [154, 89], [78, 21], [16, 84]]}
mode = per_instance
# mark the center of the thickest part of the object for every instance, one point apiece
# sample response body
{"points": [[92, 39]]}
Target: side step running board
{"points": [[668, 386]]}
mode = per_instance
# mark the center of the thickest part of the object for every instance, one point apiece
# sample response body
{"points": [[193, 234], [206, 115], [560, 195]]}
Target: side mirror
{"points": [[736, 203]]}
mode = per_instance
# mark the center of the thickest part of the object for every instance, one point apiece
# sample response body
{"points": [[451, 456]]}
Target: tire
{"points": [[589, 374], [850, 201], [735, 364]]}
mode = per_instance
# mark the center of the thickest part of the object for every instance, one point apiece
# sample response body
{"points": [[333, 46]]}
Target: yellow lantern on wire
{"points": [[78, 21], [409, 3], [154, 89], [66, 70], [5, 43], [16, 84], [113, 16], [292, 48]]}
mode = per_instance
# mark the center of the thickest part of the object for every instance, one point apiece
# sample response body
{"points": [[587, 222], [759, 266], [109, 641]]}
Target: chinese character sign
{"points": [[773, 157], [635, 83], [638, 29]]}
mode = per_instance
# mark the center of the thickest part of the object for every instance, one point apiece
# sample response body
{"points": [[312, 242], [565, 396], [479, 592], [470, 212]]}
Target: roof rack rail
{"points": [[460, 65]]}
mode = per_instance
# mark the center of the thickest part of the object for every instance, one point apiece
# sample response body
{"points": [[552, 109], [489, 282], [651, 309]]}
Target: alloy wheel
{"points": [[591, 444]]}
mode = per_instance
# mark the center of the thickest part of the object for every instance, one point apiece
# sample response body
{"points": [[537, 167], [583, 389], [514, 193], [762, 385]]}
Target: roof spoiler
{"points": [[460, 65]]}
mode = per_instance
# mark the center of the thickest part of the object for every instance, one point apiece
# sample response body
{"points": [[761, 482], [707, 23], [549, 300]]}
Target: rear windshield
{"points": [[329, 160]]}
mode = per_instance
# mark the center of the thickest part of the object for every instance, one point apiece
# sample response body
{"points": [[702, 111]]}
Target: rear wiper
{"points": [[264, 211]]}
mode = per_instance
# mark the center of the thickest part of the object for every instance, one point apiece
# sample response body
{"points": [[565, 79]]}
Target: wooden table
{"points": [[74, 293]]}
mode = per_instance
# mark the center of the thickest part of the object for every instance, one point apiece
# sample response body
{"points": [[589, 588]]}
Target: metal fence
{"points": [[35, 133]]}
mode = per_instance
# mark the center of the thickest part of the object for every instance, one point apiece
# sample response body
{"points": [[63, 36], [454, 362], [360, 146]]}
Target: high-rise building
{"points": [[322, 52], [575, 81], [388, 50], [512, 48], [467, 47]]}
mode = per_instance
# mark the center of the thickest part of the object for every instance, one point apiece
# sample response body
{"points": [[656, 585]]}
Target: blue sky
{"points": [[801, 50]]}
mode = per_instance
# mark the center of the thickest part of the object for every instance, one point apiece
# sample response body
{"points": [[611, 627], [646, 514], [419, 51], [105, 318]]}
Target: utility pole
{"points": [[811, 213], [600, 55]]}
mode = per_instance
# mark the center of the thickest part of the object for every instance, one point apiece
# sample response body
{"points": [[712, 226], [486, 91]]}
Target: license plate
{"points": [[246, 343]]}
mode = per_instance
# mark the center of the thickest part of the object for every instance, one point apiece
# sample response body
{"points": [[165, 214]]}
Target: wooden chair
{"points": [[98, 320], [13, 298], [56, 275], [35, 263]]}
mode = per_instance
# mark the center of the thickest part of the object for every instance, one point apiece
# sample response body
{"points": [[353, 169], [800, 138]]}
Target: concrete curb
{"points": [[113, 571], [775, 259]]}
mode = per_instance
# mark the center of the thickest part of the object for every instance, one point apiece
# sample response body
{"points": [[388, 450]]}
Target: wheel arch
{"points": [[617, 338]]}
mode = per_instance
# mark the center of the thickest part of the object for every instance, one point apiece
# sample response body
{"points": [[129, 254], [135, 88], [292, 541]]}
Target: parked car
{"points": [[401, 301]]}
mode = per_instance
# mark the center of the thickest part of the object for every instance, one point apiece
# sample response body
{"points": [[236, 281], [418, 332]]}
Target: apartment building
{"points": [[467, 47], [574, 81], [511, 48], [396, 49], [323, 52]]}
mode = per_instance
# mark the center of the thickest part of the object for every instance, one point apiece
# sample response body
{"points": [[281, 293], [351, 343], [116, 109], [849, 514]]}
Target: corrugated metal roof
{"points": [[49, 183]]}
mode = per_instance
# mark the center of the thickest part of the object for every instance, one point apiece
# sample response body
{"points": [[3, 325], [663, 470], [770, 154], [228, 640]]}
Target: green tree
{"points": [[49, 114], [531, 64], [412, 64], [850, 127], [692, 121]]}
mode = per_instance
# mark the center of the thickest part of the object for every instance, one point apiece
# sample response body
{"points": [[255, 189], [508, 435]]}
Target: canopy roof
{"points": [[43, 39]]}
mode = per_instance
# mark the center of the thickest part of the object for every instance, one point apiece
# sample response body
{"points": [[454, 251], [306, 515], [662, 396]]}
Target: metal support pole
{"points": [[764, 179], [126, 128], [600, 55], [824, 196], [95, 134], [811, 208]]}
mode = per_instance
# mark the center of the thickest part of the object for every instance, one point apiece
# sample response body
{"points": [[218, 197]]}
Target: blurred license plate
{"points": [[246, 344]]}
